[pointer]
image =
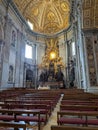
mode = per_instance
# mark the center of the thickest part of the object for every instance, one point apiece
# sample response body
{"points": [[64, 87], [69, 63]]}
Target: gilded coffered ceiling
{"points": [[47, 16]]}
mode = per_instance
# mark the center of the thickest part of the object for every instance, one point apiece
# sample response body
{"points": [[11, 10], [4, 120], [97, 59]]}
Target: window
{"points": [[30, 25], [73, 48], [28, 51]]}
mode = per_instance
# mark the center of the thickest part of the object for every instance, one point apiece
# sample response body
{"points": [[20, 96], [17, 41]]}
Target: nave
{"points": [[29, 109]]}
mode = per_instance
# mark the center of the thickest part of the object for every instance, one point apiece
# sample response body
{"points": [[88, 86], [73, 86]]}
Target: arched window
{"points": [[30, 24], [73, 49], [28, 51], [10, 79]]}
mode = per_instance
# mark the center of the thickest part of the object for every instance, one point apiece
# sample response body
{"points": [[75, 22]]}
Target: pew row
{"points": [[45, 110], [56, 127], [83, 96], [46, 102], [78, 102], [14, 125], [84, 118], [17, 115], [86, 107]]}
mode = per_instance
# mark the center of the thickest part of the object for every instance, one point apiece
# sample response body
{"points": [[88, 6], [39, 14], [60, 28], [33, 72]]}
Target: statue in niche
{"points": [[43, 76], [29, 78], [59, 75], [47, 75], [13, 38], [71, 74], [51, 71], [10, 79], [29, 75]]}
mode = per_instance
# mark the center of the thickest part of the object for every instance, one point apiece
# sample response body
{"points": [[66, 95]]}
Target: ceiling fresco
{"points": [[47, 16]]}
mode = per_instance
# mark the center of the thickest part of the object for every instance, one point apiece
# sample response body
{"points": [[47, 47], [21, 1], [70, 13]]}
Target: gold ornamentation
{"points": [[51, 16], [52, 56], [35, 11], [47, 16], [64, 6]]}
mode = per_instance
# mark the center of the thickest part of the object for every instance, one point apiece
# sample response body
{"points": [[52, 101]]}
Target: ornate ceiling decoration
{"points": [[47, 16]]}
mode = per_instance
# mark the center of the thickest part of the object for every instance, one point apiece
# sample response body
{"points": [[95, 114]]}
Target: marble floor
{"points": [[53, 117]]}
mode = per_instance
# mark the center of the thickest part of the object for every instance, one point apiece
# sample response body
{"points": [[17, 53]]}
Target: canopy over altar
{"points": [[52, 65]]}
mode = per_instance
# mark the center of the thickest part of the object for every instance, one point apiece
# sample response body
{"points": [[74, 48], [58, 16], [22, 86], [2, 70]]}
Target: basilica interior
{"points": [[48, 50], [43, 38]]}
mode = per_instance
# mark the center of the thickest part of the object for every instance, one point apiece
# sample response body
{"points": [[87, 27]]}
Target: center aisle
{"points": [[53, 117]]}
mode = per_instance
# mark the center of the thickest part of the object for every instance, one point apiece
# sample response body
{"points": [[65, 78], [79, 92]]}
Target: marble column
{"points": [[6, 53], [1, 59]]}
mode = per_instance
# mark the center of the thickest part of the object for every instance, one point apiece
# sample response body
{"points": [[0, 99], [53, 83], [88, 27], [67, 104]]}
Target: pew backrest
{"points": [[15, 125], [55, 127]]}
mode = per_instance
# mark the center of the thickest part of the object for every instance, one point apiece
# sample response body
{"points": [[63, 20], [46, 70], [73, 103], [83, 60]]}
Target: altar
{"points": [[54, 85], [52, 66]]}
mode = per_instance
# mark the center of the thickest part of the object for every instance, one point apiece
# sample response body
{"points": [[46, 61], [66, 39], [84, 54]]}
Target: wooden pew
{"points": [[45, 110], [55, 127], [16, 115], [73, 91], [48, 103], [14, 125], [79, 107], [84, 96], [77, 102], [18, 93], [77, 117]]}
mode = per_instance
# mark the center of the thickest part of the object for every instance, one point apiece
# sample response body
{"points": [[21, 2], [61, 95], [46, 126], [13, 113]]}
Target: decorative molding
{"points": [[91, 60], [90, 14]]}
